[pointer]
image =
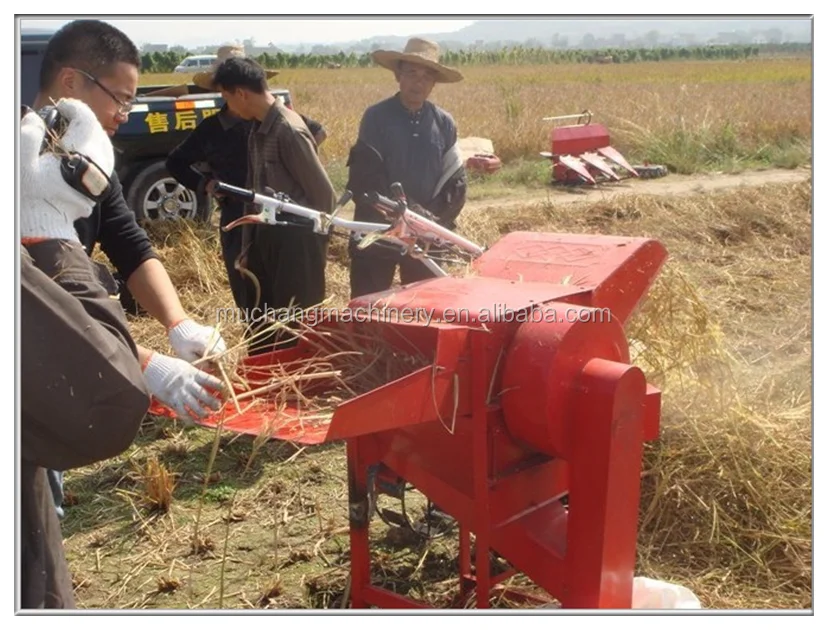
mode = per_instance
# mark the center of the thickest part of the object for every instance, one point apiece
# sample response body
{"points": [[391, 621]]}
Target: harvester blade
{"points": [[576, 165], [593, 159], [614, 156]]}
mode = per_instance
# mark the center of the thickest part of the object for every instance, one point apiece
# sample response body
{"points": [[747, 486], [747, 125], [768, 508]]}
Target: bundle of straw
{"points": [[327, 366]]}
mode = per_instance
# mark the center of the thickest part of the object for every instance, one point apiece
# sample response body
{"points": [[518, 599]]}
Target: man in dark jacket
{"points": [[405, 139], [83, 395]]}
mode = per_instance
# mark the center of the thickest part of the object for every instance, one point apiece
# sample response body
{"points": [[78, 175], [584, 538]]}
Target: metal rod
{"points": [[436, 269], [587, 114]]}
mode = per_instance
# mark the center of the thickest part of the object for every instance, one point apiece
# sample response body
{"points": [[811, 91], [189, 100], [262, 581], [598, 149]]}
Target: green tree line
{"points": [[163, 62]]}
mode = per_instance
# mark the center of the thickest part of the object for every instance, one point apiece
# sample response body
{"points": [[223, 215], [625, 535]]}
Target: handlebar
{"points": [[277, 204], [241, 194], [388, 207], [585, 114], [415, 223], [406, 228]]}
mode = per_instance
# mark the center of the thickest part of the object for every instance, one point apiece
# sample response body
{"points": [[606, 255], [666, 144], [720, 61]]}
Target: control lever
{"points": [[397, 192], [398, 195], [395, 208], [343, 201]]}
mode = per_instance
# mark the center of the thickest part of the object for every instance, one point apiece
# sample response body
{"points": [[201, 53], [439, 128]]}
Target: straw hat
{"points": [[422, 52], [205, 79]]}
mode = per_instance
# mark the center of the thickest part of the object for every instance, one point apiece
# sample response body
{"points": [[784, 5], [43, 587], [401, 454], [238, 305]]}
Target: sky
{"points": [[204, 31]]}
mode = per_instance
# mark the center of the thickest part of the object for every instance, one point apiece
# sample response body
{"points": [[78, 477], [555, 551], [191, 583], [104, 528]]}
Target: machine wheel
{"points": [[155, 195], [651, 171]]}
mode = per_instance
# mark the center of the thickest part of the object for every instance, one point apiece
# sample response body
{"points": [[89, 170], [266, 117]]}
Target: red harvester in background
{"points": [[582, 154]]}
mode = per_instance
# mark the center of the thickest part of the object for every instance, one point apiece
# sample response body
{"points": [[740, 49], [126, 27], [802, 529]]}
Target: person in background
{"points": [[220, 143], [289, 262]]}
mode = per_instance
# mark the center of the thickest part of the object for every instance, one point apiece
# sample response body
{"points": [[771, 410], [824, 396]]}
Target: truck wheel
{"points": [[155, 195]]}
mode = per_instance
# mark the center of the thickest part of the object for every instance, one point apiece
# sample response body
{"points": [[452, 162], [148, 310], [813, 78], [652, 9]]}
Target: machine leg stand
{"points": [[466, 577], [605, 469], [359, 518], [482, 572]]}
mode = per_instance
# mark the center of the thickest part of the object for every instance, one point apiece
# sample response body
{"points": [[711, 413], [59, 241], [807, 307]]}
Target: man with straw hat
{"points": [[410, 140], [205, 79]]}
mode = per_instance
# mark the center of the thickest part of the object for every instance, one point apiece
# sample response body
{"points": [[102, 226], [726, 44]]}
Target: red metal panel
{"points": [[540, 379], [407, 401], [521, 490], [577, 139], [424, 396], [471, 301], [605, 468], [618, 270], [258, 419], [535, 545], [387, 599], [652, 414]]}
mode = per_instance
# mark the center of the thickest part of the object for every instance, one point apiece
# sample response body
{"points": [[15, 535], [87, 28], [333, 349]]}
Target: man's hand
{"points": [[182, 387], [192, 341], [48, 205]]}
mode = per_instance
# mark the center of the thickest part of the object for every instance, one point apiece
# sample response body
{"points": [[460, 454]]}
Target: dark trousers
{"points": [[289, 264], [375, 273], [231, 245]]}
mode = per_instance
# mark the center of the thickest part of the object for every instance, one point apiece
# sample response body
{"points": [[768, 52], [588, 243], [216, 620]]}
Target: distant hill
{"points": [[592, 34]]}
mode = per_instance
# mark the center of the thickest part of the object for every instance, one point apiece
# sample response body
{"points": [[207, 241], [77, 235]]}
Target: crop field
{"points": [[690, 115], [188, 518]]}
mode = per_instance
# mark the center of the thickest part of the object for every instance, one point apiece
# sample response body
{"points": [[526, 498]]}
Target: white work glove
{"points": [[48, 205], [191, 341], [182, 387]]}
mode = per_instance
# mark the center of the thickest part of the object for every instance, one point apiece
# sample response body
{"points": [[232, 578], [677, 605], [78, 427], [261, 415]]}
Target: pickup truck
{"points": [[156, 125]]}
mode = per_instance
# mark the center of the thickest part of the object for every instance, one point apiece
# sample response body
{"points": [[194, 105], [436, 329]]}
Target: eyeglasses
{"points": [[123, 108]]}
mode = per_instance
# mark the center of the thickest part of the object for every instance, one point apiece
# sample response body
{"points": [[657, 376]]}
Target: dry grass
{"points": [[158, 485], [690, 114]]}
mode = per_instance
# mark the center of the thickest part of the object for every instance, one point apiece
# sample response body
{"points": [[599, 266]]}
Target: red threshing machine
{"points": [[527, 425], [581, 154]]}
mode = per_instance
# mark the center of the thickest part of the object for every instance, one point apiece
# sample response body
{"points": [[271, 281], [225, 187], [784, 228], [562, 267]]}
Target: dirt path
{"points": [[670, 185]]}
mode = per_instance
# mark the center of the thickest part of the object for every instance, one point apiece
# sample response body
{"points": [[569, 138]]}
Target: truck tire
{"points": [[155, 195]]}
